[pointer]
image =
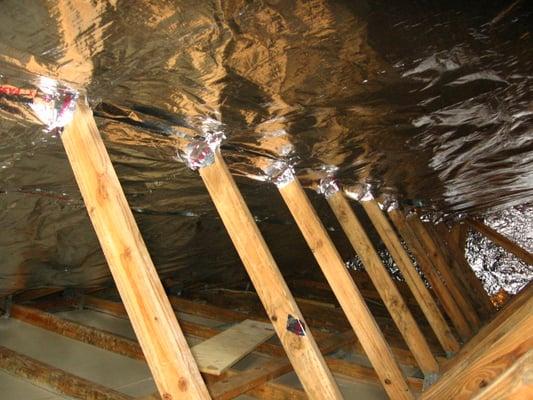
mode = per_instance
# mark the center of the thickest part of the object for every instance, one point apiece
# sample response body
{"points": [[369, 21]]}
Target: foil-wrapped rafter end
{"points": [[328, 186]]}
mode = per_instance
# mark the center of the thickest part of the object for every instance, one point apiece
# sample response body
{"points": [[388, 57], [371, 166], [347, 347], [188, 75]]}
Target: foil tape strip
{"points": [[360, 192], [328, 186], [200, 152], [281, 173]]}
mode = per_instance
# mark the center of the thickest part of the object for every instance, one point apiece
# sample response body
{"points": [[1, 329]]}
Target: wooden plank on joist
{"points": [[167, 353], [421, 293], [514, 384], [349, 297], [189, 328], [477, 367], [229, 388], [217, 354], [55, 379], [424, 262], [269, 284], [439, 261], [383, 283], [502, 241]]}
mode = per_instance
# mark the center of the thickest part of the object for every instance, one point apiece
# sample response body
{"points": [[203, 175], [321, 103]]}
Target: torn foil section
{"points": [[328, 186]]}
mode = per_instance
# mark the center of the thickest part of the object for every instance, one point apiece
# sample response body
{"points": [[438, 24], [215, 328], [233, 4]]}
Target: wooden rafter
{"points": [[349, 297], [439, 262], [281, 307], [453, 243], [167, 353], [383, 282], [412, 277], [502, 241], [424, 262]]}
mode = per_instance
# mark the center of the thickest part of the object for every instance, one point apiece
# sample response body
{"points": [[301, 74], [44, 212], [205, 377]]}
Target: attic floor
{"points": [[121, 373]]}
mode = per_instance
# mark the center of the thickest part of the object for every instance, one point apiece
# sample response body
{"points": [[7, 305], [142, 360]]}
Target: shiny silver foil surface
{"points": [[428, 102]]}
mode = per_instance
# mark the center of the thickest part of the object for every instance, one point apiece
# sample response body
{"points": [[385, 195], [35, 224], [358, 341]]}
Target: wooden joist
{"points": [[383, 282], [349, 297], [279, 304], [412, 277], [424, 262], [73, 330], [167, 353], [502, 241], [55, 379], [503, 341], [514, 384], [129, 348], [439, 262]]}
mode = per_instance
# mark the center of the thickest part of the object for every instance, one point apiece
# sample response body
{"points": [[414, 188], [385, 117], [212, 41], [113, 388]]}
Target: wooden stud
{"points": [[442, 267], [279, 304], [514, 384], [424, 262], [502, 241], [383, 282], [412, 277], [477, 367], [167, 353], [350, 299], [55, 379]]}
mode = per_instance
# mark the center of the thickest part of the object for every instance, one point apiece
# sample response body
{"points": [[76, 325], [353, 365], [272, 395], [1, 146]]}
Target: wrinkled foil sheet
{"points": [[428, 102], [498, 269]]}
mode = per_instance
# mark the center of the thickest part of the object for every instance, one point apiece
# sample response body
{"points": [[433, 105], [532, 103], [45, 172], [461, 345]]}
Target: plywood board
{"points": [[220, 352]]}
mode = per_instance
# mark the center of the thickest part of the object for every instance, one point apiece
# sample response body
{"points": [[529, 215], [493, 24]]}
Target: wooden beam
{"points": [[167, 353], [454, 241], [349, 297], [426, 265], [73, 330], [439, 261], [383, 282], [485, 336], [502, 241], [279, 304], [412, 277], [478, 367], [514, 384], [55, 379]]}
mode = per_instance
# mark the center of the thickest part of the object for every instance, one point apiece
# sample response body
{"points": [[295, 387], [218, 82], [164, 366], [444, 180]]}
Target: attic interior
{"points": [[265, 199]]}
